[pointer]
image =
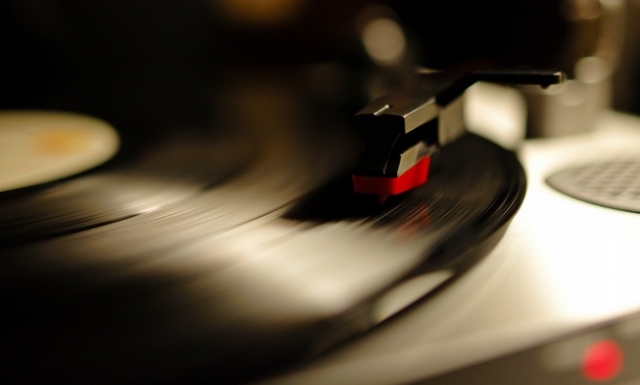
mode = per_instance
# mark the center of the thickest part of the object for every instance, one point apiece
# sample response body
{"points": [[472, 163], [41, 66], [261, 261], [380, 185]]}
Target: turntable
{"points": [[218, 238]]}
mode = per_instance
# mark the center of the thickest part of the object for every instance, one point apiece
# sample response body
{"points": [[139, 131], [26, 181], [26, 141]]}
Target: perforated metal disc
{"points": [[613, 184]]}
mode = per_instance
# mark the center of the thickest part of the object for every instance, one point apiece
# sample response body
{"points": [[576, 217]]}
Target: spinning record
{"points": [[228, 259]]}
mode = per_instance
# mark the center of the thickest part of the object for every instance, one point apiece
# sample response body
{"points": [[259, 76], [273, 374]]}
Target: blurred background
{"points": [[150, 67], [158, 64]]}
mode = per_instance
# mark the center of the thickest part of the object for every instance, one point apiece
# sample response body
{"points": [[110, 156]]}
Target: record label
{"points": [[40, 146]]}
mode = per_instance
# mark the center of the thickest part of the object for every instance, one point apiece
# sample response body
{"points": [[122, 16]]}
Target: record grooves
{"points": [[164, 176], [256, 260]]}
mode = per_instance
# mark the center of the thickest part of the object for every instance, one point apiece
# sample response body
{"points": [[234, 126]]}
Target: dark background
{"points": [[154, 63]]}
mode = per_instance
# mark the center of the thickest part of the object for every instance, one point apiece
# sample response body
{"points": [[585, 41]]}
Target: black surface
{"points": [[243, 277]]}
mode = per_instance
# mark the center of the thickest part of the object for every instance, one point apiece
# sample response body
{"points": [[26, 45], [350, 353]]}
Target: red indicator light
{"points": [[602, 361]]}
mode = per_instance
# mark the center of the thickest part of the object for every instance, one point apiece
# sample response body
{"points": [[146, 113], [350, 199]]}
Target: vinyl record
{"points": [[228, 260]]}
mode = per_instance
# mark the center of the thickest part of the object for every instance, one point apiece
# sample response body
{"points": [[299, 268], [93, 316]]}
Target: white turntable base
{"points": [[563, 265]]}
